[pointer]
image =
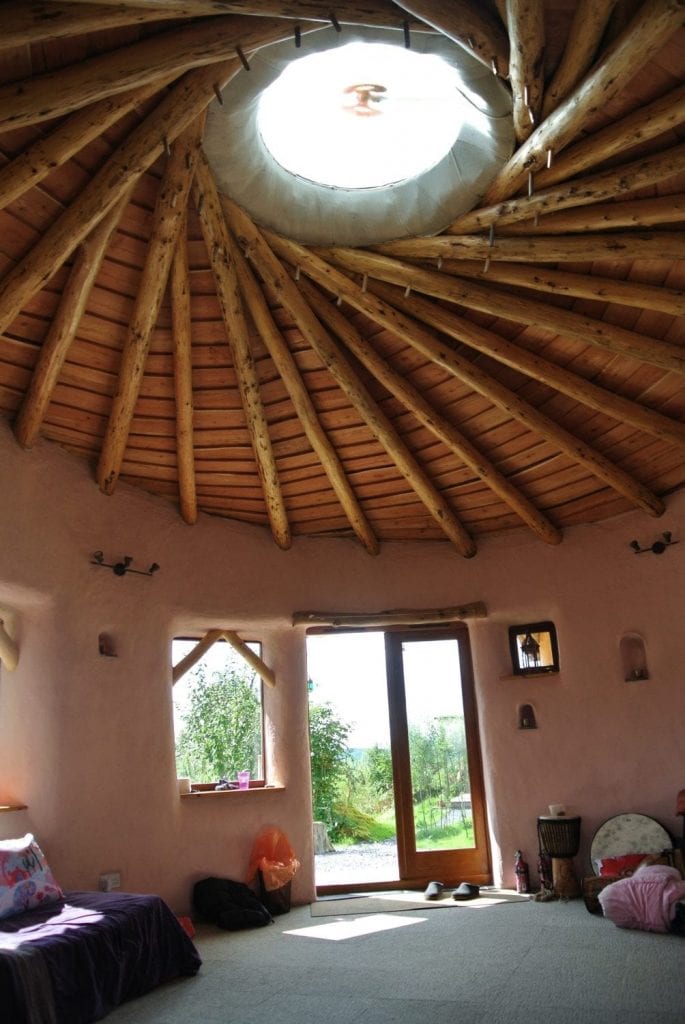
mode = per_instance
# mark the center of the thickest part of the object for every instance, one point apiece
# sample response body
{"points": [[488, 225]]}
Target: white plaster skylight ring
{"points": [[316, 213]]}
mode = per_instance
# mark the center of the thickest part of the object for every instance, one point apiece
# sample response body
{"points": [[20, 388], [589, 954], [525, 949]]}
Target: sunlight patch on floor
{"points": [[338, 931]]}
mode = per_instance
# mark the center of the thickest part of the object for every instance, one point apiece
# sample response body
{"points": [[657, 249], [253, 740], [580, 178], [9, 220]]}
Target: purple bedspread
{"points": [[73, 962]]}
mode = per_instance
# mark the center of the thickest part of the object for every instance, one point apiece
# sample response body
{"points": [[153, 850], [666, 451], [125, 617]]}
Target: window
{"points": [[218, 720]]}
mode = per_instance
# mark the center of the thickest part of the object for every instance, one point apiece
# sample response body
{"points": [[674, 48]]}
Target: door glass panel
{"points": [[441, 792], [352, 783]]}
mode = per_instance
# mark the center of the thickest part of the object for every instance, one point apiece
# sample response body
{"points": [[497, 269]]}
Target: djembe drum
{"points": [[560, 838]]}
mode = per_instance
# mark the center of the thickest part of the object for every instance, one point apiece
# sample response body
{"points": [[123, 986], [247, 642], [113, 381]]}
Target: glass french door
{"points": [[439, 793], [413, 773]]}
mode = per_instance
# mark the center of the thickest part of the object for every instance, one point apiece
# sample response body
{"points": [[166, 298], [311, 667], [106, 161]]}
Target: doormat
{"points": [[389, 902]]}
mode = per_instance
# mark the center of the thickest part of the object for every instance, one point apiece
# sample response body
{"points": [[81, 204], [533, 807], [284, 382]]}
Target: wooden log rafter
{"points": [[654, 22], [217, 240], [213, 636], [429, 345], [302, 402], [635, 214], [63, 327], [341, 370], [526, 23], [590, 19], [167, 220], [181, 330], [516, 307], [107, 186], [415, 403], [469, 24]]}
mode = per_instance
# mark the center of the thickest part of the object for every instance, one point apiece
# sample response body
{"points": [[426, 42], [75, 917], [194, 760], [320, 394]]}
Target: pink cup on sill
{"points": [[244, 779]]}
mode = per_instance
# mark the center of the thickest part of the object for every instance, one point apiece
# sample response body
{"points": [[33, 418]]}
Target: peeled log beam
{"points": [[654, 23], [217, 240], [611, 184], [143, 146], [302, 402], [579, 286], [25, 22], [166, 223], [534, 366], [526, 23], [252, 659], [403, 617], [589, 22], [158, 57], [46, 153], [192, 657], [467, 23], [413, 400], [628, 245], [640, 126], [631, 213], [518, 308], [181, 332], [63, 328], [425, 341], [9, 652], [271, 269]]}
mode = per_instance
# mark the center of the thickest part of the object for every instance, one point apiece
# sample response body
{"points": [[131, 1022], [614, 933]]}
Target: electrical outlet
{"points": [[109, 881]]}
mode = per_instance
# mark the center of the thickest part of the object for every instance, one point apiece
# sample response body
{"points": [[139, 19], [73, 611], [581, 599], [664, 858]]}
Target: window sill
{"points": [[230, 792]]}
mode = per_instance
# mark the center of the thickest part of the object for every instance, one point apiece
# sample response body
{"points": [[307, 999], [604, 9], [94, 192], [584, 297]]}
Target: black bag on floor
{"points": [[276, 901], [230, 905]]}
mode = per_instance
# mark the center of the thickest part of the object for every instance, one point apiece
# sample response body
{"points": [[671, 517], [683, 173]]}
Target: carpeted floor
{"points": [[393, 902]]}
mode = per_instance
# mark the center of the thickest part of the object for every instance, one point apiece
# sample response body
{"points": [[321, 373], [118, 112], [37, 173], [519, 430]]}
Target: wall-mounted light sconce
{"points": [[657, 548], [122, 567]]}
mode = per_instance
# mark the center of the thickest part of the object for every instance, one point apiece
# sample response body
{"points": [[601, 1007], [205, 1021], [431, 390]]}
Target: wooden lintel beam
{"points": [[425, 341], [654, 22], [347, 379], [395, 617], [166, 224], [181, 331], [217, 240]]}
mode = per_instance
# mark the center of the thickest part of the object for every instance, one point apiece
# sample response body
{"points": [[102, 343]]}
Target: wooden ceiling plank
{"points": [[167, 221], [557, 377], [583, 286], [302, 403], [644, 36], [516, 307], [63, 327], [526, 24], [143, 146], [413, 399], [417, 335], [611, 184], [42, 156], [179, 291], [467, 23], [217, 238], [172, 53], [641, 125], [590, 19], [271, 269]]}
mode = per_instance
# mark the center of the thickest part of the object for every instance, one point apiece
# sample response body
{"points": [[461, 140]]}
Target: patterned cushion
{"points": [[25, 879]]}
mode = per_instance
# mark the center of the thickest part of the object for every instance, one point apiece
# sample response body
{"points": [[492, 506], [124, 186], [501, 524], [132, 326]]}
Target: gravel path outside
{"points": [[366, 862]]}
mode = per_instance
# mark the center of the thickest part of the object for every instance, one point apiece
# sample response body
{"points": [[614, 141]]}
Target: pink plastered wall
{"points": [[87, 741]]}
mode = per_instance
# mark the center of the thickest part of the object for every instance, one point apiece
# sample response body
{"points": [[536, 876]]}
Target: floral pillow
{"points": [[624, 865], [25, 879]]}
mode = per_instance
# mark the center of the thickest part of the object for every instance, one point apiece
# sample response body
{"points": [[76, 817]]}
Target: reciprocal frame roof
{"points": [[522, 369]]}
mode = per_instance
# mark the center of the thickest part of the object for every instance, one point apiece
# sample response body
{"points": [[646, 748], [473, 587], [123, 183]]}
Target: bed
{"points": [[76, 956]]}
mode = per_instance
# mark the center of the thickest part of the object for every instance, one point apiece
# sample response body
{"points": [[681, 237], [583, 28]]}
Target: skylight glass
{"points": [[363, 115]]}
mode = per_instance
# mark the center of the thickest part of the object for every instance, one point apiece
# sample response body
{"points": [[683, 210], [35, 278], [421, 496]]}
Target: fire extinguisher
{"points": [[521, 872]]}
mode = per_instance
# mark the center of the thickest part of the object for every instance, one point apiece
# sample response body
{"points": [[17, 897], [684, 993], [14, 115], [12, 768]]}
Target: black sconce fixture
{"points": [[657, 548], [122, 567]]}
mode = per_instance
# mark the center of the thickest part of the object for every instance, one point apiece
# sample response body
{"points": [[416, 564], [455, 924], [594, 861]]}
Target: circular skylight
{"points": [[343, 118], [352, 138]]}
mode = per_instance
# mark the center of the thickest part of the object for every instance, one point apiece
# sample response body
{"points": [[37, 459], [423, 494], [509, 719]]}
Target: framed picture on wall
{"points": [[533, 648]]}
